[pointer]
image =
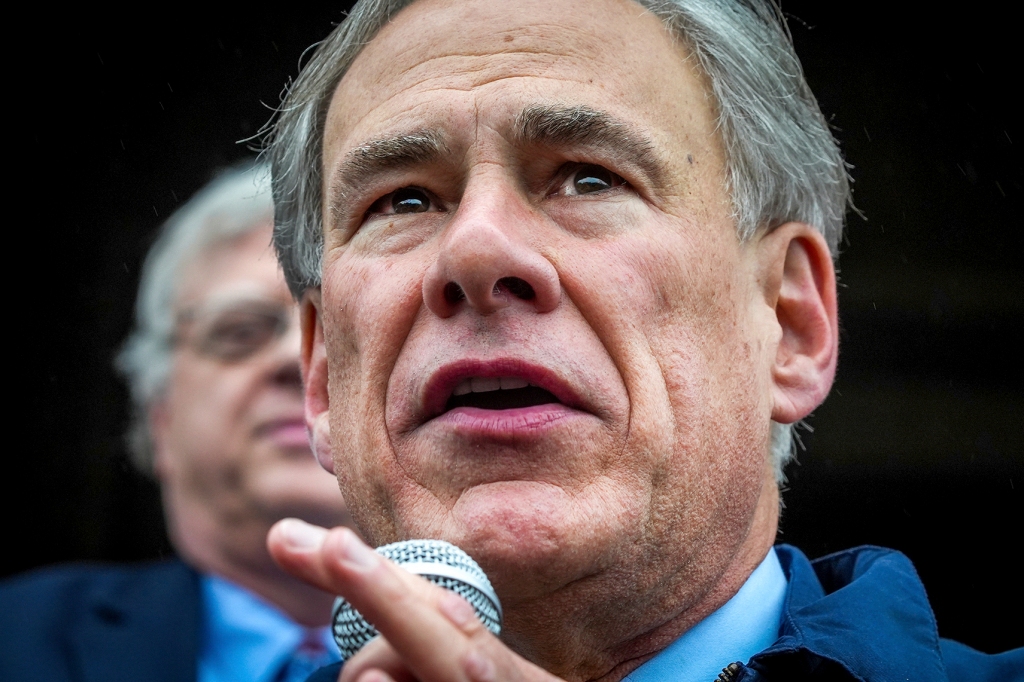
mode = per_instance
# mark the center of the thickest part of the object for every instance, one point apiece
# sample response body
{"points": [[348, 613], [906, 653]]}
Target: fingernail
{"points": [[302, 536], [357, 554]]}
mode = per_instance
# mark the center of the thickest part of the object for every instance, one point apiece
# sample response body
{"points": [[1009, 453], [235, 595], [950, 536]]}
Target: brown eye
{"points": [[410, 200], [591, 178]]}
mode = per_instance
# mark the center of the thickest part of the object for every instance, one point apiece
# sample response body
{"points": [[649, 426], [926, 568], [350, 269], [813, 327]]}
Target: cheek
{"points": [[715, 382], [363, 313], [709, 357], [206, 406], [372, 305], [665, 302], [671, 311], [207, 439]]}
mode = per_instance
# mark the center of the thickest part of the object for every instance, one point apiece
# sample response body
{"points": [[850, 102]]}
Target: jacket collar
{"points": [[862, 612]]}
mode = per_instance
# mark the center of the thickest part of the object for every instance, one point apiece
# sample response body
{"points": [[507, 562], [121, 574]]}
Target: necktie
{"points": [[309, 655]]}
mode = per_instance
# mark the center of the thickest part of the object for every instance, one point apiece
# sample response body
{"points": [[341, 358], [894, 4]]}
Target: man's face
{"points": [[230, 439], [532, 196]]}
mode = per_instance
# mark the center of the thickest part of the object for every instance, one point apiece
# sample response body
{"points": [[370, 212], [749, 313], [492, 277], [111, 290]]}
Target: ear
{"points": [[800, 284], [313, 362]]}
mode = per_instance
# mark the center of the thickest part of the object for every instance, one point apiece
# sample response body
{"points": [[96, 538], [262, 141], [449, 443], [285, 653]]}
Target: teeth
{"points": [[484, 385]]}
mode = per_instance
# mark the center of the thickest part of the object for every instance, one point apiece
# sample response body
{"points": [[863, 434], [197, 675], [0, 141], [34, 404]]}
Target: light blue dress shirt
{"points": [[245, 639], [745, 625]]}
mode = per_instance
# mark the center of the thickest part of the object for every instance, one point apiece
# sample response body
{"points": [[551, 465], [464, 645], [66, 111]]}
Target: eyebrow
{"points": [[384, 155], [541, 125], [553, 126]]}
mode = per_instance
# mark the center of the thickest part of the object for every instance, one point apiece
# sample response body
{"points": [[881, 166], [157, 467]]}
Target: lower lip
{"points": [[291, 436], [518, 422]]}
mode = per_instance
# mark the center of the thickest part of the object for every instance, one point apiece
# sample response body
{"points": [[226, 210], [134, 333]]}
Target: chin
{"points": [[302, 490], [530, 537]]}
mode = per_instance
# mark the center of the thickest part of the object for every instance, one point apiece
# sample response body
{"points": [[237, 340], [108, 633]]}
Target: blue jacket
{"points": [[863, 614], [92, 623], [858, 615]]}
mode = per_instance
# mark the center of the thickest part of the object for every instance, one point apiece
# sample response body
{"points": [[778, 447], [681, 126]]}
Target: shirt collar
{"points": [[244, 637], [743, 626]]}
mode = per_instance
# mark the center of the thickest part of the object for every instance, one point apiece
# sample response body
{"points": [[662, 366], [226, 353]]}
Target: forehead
{"points": [[242, 266], [470, 64]]}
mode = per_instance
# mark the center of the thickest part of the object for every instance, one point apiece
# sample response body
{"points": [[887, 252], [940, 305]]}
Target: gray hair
{"points": [[783, 163], [234, 203]]}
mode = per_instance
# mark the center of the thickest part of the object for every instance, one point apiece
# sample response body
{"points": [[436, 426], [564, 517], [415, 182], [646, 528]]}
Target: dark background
{"points": [[116, 118]]}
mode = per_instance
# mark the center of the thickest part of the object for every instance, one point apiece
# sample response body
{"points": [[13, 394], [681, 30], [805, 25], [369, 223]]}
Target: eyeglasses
{"points": [[232, 331]]}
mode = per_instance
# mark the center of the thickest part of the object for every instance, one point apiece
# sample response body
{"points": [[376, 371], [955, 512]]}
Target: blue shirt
{"points": [[743, 626], [244, 638]]}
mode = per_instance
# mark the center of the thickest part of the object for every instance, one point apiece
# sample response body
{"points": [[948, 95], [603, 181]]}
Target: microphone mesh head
{"points": [[440, 562]]}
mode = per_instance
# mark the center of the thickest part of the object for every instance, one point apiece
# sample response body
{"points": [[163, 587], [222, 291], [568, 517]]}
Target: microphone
{"points": [[440, 562]]}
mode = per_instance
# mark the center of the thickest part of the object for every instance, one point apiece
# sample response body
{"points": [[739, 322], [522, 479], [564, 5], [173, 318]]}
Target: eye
{"points": [[237, 334], [589, 178], [405, 200], [410, 200]]}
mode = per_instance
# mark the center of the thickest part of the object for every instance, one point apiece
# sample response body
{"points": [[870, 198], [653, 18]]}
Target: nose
{"points": [[485, 264]]}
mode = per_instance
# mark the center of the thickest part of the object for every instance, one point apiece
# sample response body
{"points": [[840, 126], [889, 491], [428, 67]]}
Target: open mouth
{"points": [[498, 393]]}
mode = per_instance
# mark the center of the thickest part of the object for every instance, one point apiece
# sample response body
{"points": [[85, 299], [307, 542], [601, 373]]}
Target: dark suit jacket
{"points": [[94, 623]]}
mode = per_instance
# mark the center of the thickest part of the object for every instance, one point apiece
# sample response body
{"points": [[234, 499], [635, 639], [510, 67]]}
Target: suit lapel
{"points": [[143, 624]]}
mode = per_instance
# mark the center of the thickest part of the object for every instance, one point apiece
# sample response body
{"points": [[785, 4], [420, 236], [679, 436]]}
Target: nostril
{"points": [[453, 293], [519, 288]]}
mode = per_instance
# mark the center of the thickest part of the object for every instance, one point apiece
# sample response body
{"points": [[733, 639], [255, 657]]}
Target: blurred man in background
{"points": [[214, 374]]}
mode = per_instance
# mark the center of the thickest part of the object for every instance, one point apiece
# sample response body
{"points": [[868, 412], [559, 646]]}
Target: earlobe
{"points": [[802, 281], [313, 362], [320, 441]]}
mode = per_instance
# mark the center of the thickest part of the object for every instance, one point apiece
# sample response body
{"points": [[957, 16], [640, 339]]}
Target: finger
{"points": [[376, 676], [434, 633], [297, 546], [378, 654], [402, 606]]}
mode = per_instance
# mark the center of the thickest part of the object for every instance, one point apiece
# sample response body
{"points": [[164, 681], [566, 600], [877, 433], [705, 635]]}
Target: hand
{"points": [[428, 633]]}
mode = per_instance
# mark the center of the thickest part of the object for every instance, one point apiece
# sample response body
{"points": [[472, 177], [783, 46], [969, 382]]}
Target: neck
{"points": [[303, 604], [567, 635], [236, 550]]}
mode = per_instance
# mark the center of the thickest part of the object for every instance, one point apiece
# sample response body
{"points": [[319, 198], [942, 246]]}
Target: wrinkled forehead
{"points": [[242, 266], [491, 60]]}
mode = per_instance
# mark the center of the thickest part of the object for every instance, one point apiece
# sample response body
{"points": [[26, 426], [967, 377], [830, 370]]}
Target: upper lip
{"points": [[440, 386]]}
